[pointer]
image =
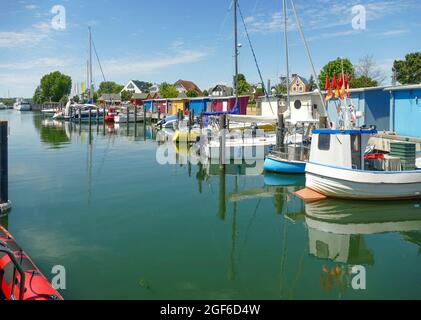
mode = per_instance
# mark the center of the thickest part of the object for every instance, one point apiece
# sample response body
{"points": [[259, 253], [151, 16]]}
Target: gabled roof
{"points": [[189, 86], [141, 85], [301, 78], [110, 96], [182, 95], [140, 96]]}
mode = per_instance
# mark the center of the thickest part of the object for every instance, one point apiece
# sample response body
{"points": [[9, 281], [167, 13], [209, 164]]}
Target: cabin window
{"points": [[324, 141], [356, 151], [297, 104]]}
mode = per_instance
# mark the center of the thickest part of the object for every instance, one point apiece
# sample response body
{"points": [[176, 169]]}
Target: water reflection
{"points": [[53, 133], [58, 134], [337, 231]]}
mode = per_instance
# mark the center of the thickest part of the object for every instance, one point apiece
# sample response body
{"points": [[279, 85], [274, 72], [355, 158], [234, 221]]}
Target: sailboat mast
{"points": [[236, 52], [287, 84], [90, 64], [87, 80]]}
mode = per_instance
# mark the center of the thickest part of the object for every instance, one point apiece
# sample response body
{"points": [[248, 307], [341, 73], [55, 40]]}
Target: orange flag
{"points": [[335, 86], [328, 87]]}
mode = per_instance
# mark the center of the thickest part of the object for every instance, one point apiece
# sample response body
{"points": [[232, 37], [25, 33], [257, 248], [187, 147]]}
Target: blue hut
{"points": [[148, 105], [373, 102], [199, 105], [405, 109]]}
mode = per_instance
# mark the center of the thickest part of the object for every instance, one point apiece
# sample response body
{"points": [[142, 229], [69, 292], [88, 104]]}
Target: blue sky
{"points": [[167, 40]]}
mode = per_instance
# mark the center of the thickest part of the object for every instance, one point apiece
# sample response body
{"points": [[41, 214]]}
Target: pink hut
{"points": [[227, 104]]}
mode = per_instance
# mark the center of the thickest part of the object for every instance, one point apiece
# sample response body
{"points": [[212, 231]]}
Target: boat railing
{"points": [[18, 268], [297, 152]]}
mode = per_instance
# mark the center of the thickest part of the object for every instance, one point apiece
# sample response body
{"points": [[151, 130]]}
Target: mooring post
{"points": [[222, 137], [135, 115], [5, 204], [159, 113], [127, 115], [80, 115], [103, 115], [280, 132], [144, 114]]}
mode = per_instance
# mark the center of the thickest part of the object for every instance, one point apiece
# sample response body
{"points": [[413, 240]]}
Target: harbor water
{"points": [[96, 201]]}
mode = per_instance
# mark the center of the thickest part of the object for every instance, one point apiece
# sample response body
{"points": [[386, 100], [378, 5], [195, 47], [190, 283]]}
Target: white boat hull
{"points": [[23, 107], [239, 149], [366, 185], [122, 118]]}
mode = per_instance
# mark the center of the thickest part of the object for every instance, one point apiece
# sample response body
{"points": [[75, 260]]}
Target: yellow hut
{"points": [[179, 103]]}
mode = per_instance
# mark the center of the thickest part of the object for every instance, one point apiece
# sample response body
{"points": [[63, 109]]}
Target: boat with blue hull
{"points": [[279, 165]]}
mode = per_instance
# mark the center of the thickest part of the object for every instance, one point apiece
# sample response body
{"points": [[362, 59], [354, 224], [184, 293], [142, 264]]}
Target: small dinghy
{"points": [[20, 279]]}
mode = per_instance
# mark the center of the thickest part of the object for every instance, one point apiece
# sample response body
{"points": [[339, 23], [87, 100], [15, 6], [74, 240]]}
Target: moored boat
{"points": [[338, 168], [20, 279]]}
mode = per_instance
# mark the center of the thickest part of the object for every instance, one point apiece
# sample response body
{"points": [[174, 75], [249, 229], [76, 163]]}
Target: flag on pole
{"points": [[83, 87], [335, 86], [328, 87]]}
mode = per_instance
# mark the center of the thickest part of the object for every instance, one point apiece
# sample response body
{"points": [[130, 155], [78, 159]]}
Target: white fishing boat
{"points": [[2, 106], [338, 168], [22, 105]]}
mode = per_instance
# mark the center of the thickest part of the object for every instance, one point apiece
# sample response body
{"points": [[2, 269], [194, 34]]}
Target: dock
{"points": [[308, 195]]}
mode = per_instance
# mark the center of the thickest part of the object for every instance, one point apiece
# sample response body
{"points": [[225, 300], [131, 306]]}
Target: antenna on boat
{"points": [[90, 64], [309, 57]]}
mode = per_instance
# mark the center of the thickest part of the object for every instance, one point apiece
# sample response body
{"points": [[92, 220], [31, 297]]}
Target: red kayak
{"points": [[20, 279]]}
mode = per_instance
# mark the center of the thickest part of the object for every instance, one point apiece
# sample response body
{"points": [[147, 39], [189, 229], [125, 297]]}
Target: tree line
{"points": [[56, 87]]}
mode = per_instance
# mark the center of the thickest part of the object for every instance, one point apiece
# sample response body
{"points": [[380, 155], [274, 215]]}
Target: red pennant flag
{"points": [[335, 86], [327, 83], [341, 81], [347, 85]]}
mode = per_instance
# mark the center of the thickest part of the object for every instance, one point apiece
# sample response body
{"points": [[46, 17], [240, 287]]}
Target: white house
{"points": [[136, 86]]}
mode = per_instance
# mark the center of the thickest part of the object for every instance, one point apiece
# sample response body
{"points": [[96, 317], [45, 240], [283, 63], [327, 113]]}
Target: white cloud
{"points": [[31, 7], [178, 55], [321, 14], [35, 64], [28, 37]]}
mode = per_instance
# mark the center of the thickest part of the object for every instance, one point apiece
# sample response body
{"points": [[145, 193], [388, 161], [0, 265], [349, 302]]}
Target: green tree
{"points": [[126, 95], [76, 99], [168, 91], [280, 89], [206, 93], [243, 86], [362, 82], [312, 84], [191, 94], [408, 71], [95, 97], [335, 67], [38, 98], [109, 87], [55, 85], [64, 99]]}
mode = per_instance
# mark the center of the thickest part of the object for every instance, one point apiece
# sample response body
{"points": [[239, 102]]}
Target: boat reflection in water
{"points": [[336, 228]]}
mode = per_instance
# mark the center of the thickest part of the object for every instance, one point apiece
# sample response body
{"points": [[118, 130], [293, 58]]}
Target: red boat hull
{"points": [[36, 286]]}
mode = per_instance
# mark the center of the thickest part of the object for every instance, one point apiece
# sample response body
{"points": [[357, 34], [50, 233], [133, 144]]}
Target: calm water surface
{"points": [[125, 227]]}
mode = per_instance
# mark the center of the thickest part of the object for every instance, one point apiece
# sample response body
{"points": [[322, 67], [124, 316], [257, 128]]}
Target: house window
{"points": [[301, 89], [297, 104], [324, 142], [293, 89], [130, 86]]}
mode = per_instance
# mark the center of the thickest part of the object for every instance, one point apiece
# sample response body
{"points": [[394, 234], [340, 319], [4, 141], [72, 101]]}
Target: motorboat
{"points": [[22, 105]]}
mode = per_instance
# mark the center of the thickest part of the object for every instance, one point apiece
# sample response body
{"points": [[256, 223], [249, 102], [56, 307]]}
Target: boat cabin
{"points": [[340, 148]]}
